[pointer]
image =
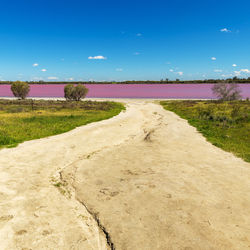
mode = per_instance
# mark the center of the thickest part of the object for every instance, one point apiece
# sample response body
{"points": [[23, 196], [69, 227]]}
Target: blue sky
{"points": [[124, 40]]}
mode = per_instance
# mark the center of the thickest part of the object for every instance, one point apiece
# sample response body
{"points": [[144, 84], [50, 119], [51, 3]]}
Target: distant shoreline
{"points": [[198, 82]]}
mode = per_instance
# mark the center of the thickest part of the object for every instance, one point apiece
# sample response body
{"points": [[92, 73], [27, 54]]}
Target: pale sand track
{"points": [[151, 180]]}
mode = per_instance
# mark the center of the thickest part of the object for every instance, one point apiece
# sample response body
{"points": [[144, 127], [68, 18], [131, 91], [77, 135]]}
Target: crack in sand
{"points": [[68, 186], [104, 230]]}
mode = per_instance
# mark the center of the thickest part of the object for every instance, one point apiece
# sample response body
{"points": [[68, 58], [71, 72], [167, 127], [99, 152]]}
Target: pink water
{"points": [[178, 91]]}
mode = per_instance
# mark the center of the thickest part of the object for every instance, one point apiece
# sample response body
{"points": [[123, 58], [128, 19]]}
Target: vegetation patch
{"points": [[23, 120], [224, 124]]}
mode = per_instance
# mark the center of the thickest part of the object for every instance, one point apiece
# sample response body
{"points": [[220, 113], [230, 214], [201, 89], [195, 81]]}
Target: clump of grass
{"points": [[224, 124], [63, 189], [27, 120], [58, 184]]}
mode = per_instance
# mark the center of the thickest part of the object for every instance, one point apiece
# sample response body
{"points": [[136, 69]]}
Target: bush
{"points": [[72, 92], [20, 89], [226, 91], [79, 92], [68, 91]]}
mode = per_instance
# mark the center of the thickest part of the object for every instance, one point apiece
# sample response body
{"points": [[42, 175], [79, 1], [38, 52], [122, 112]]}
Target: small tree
{"points": [[226, 91], [68, 92], [79, 92], [20, 89], [72, 92]]}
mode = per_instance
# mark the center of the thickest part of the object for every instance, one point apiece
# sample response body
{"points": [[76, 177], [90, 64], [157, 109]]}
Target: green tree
{"points": [[76, 93], [20, 89], [80, 92], [68, 92]]}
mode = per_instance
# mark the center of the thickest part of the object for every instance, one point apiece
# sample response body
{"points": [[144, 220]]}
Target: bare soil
{"points": [[144, 179]]}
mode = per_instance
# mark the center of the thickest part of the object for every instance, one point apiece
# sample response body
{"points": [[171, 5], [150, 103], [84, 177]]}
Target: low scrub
{"points": [[225, 124], [26, 119]]}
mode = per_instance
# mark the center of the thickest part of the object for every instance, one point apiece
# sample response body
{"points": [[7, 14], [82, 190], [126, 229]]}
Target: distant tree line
{"points": [[163, 81]]}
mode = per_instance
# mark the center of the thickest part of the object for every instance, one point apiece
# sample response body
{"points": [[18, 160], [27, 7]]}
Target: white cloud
{"points": [[119, 69], [213, 58], [53, 78], [43, 70], [35, 64], [138, 34], [70, 79], [35, 78], [237, 73], [97, 57], [136, 53], [180, 73], [227, 75], [234, 65], [225, 30], [245, 71], [218, 70]]}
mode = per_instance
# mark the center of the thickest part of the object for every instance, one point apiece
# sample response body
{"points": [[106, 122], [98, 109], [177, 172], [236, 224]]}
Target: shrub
{"points": [[235, 111], [79, 92], [20, 89], [226, 91], [68, 91], [72, 92]]}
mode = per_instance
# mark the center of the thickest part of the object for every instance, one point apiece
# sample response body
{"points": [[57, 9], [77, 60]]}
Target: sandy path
{"points": [[33, 212], [166, 188], [148, 177]]}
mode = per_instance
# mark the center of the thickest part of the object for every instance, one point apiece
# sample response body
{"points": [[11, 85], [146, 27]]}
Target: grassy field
{"points": [[27, 120], [224, 124]]}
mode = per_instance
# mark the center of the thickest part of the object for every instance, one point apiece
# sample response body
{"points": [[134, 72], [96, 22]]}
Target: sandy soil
{"points": [[142, 180]]}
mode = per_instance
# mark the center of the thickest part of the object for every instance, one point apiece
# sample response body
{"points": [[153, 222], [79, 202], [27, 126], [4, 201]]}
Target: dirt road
{"points": [[142, 180]]}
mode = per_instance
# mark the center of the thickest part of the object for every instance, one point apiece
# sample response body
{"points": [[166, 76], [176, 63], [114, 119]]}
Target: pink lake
{"points": [[168, 91]]}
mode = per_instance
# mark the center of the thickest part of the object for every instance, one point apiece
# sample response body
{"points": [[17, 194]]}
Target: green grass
{"points": [[224, 124], [27, 120]]}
